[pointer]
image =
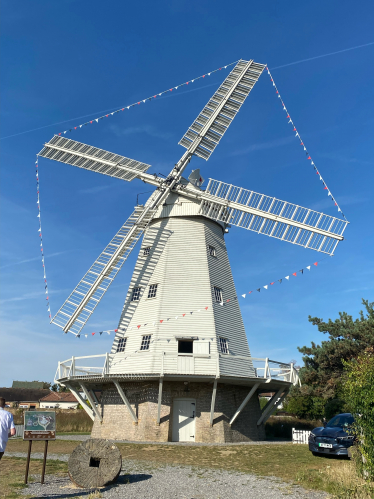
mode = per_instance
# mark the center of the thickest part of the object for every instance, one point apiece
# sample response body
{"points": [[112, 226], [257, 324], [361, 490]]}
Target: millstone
{"points": [[94, 463]]}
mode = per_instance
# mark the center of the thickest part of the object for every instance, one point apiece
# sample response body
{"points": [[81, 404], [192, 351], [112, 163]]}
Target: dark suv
{"points": [[334, 438]]}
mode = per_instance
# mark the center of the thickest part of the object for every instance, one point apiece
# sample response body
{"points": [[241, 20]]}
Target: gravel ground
{"points": [[145, 481]]}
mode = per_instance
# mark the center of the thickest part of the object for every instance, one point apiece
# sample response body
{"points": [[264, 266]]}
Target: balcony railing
{"points": [[100, 365]]}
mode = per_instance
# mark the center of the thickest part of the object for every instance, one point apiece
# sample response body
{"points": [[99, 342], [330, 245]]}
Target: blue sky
{"points": [[63, 60]]}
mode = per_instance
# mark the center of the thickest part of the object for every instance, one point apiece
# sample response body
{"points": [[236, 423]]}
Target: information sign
{"points": [[40, 425]]}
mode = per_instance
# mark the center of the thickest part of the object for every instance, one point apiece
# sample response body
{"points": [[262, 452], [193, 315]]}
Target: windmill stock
{"points": [[178, 210]]}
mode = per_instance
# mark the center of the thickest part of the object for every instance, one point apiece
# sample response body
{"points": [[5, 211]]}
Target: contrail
{"points": [[323, 55], [272, 68]]}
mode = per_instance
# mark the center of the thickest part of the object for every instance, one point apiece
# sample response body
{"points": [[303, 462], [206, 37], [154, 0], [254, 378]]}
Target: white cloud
{"points": [[264, 145], [147, 129]]}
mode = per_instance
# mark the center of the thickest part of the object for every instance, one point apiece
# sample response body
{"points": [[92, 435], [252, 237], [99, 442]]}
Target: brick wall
{"points": [[118, 425]]}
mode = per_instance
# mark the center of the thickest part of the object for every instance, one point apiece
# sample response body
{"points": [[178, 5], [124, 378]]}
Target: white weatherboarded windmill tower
{"points": [[180, 368]]}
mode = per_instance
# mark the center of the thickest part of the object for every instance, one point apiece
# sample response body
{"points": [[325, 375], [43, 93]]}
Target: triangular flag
{"points": [[221, 303], [86, 335], [176, 316], [294, 273], [287, 277], [138, 327], [266, 287], [101, 332], [280, 281], [243, 296], [97, 120], [162, 321], [302, 271], [308, 267], [206, 308], [108, 332], [183, 315], [249, 292], [259, 289], [93, 334], [315, 263], [272, 283]]}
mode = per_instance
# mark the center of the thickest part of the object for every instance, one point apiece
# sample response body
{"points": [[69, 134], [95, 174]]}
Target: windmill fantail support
{"points": [[192, 379]]}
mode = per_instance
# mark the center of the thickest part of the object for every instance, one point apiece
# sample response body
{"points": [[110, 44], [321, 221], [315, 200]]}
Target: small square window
{"points": [[146, 340], [212, 251], [121, 345], [135, 294], [218, 294], [146, 251], [152, 291], [185, 346], [223, 345]]}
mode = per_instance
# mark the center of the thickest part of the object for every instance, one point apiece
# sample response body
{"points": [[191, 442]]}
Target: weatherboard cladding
{"points": [[179, 262]]}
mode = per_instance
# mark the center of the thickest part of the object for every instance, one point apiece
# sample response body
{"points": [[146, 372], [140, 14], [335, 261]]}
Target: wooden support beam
{"points": [[275, 406], [91, 401], [244, 403], [213, 402], [269, 406], [159, 399], [81, 401], [125, 401], [94, 397]]}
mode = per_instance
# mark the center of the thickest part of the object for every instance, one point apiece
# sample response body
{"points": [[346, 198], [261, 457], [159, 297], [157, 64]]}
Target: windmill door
{"points": [[184, 420]]}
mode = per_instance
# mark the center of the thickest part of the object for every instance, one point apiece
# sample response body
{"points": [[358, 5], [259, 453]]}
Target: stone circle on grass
{"points": [[94, 463]]}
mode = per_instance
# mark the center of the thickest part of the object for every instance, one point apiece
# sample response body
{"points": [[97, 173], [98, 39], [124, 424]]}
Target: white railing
{"points": [[176, 364], [300, 436]]}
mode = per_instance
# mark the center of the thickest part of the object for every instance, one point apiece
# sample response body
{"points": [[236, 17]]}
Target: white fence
{"points": [[300, 436], [19, 430]]}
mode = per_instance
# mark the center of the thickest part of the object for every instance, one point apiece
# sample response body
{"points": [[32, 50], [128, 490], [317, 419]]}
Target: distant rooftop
{"points": [[31, 385]]}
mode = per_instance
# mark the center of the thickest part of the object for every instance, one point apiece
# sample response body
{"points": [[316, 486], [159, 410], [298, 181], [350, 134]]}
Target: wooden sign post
{"points": [[39, 425]]}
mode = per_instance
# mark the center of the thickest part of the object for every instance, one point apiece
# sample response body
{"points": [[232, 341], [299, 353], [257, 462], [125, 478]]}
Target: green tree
{"points": [[321, 376], [358, 388]]}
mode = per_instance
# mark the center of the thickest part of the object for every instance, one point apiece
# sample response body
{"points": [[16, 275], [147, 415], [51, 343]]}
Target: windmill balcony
{"points": [[96, 368]]}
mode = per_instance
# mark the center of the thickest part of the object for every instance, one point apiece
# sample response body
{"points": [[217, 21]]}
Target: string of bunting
{"points": [[287, 278], [224, 303], [297, 135], [143, 101], [41, 239]]}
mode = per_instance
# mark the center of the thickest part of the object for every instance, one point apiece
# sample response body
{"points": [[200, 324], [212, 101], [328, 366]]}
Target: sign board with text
{"points": [[40, 425]]}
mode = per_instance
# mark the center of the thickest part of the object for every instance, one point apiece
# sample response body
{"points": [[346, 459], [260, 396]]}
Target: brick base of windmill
{"points": [[117, 423]]}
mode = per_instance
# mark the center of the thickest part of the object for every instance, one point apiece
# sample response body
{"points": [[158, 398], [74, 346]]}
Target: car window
{"points": [[341, 421]]}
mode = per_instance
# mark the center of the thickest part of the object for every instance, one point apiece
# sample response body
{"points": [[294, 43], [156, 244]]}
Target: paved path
{"points": [[147, 481], [194, 444]]}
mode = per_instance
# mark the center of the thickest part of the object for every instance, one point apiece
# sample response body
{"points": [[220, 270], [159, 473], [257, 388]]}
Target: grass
{"points": [[12, 474], [292, 463]]}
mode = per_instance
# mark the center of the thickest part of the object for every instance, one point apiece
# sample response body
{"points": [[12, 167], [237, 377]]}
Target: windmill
{"points": [[180, 366]]}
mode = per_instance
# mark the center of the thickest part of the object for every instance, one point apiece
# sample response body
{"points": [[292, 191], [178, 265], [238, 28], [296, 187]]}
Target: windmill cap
{"points": [[195, 178]]}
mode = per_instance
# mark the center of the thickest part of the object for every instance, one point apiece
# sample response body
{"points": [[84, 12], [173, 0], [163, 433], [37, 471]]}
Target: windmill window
{"points": [[146, 251], [146, 340], [223, 345], [121, 345], [135, 294], [185, 346], [212, 251], [152, 291], [218, 295]]}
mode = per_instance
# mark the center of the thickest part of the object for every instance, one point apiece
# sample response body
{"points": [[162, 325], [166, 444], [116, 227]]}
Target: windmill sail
{"points": [[272, 217], [91, 158], [81, 303], [209, 127]]}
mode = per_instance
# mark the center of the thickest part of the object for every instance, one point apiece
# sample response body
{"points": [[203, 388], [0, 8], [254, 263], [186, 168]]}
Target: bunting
{"points": [[143, 101], [41, 241], [308, 155], [287, 277]]}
